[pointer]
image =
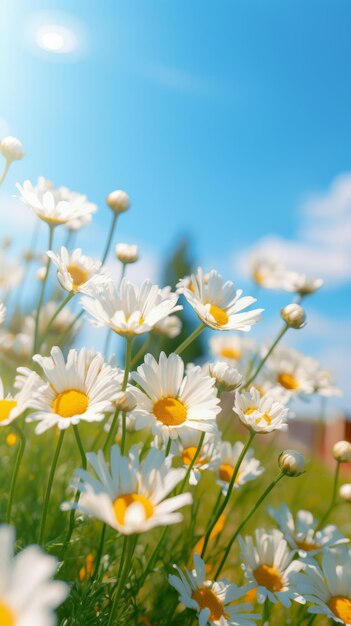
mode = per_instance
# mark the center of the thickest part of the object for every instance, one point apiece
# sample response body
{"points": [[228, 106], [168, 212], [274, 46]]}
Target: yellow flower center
{"points": [[207, 599], [341, 607], [230, 353], [258, 277], [70, 402], [188, 456], [307, 547], [6, 407], [288, 381], [268, 577], [170, 411], [7, 618], [219, 315], [267, 418], [122, 503], [226, 472], [79, 276]]}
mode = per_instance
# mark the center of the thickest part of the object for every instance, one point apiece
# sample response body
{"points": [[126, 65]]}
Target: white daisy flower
{"points": [[77, 200], [271, 566], [130, 310], [12, 407], [11, 274], [269, 273], [217, 303], [170, 401], [170, 327], [231, 348], [328, 587], [77, 272], [49, 206], [81, 388], [260, 414], [303, 284], [225, 461], [185, 447], [2, 313], [127, 252], [28, 593], [132, 496], [293, 371], [301, 533], [324, 385], [226, 376], [218, 603]]}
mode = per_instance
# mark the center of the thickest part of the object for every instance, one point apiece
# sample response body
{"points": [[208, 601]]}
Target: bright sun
{"points": [[56, 39]]}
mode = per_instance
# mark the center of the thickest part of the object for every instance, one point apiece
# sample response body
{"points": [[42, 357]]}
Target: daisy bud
{"points": [[291, 463], [170, 327], [127, 253], [12, 149], [294, 315], [125, 401], [345, 492], [227, 377], [342, 451], [118, 201]]}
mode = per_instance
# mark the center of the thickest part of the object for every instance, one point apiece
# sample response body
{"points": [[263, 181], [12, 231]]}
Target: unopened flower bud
{"points": [[127, 253], [227, 377], [170, 326], [125, 401], [345, 492], [41, 273], [294, 315], [291, 463], [118, 201], [342, 451], [12, 149]]}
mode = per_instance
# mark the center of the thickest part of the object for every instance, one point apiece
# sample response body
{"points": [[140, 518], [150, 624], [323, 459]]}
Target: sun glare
{"points": [[56, 39]]}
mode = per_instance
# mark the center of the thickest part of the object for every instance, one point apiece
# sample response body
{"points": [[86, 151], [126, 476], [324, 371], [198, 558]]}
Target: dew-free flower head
{"points": [[342, 451], [170, 401], [226, 376], [81, 388], [216, 603], [185, 448], [292, 370], [127, 253], [260, 414], [118, 201], [130, 310], [225, 461], [13, 406], [77, 272], [28, 593], [231, 348], [131, 496], [291, 463], [11, 148], [49, 206], [217, 303], [294, 315]]}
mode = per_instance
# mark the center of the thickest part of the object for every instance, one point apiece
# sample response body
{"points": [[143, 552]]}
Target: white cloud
{"points": [[322, 247]]}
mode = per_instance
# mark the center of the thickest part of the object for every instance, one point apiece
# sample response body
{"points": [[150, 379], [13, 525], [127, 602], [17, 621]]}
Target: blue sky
{"points": [[228, 121]]}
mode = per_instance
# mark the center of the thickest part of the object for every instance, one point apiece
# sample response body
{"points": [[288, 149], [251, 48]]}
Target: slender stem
{"points": [[192, 463], [73, 510], [152, 560], [67, 330], [229, 492], [333, 498], [51, 321], [124, 432], [266, 612], [130, 546], [128, 357], [19, 456], [190, 339], [5, 170], [311, 620], [262, 362], [109, 239], [99, 552], [123, 271], [108, 341], [246, 519], [80, 447], [42, 291], [49, 487], [136, 358], [168, 447]]}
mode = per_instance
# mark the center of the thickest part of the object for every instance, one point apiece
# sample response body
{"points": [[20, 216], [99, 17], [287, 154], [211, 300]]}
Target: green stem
{"points": [[130, 546], [246, 519], [192, 463], [128, 357], [311, 620], [152, 560], [229, 492], [136, 358], [42, 291], [100, 551], [49, 487], [19, 456], [266, 612], [168, 448], [80, 447], [109, 239], [124, 432], [4, 172], [108, 341], [333, 498], [51, 321], [262, 362], [190, 339]]}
